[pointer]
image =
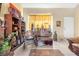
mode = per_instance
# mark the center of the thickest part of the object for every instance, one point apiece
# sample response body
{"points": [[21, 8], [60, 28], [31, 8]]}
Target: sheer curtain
{"points": [[40, 20]]}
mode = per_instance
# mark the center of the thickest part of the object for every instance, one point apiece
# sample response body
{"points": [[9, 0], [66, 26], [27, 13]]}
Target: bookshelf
{"points": [[13, 24]]}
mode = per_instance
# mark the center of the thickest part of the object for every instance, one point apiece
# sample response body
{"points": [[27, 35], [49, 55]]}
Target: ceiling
{"points": [[49, 5], [55, 11]]}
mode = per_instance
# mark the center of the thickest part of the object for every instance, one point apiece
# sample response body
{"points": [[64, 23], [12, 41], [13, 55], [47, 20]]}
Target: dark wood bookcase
{"points": [[13, 23]]}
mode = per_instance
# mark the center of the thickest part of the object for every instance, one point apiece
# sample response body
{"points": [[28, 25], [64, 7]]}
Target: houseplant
{"points": [[5, 47]]}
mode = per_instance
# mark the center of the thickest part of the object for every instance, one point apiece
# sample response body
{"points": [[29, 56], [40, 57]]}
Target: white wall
{"points": [[26, 20], [77, 21], [68, 27], [4, 9]]}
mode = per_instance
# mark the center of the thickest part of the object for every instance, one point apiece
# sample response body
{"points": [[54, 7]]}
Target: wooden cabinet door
{"points": [[8, 24]]}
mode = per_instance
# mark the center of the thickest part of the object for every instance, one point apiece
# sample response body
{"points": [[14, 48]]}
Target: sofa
{"points": [[74, 45]]}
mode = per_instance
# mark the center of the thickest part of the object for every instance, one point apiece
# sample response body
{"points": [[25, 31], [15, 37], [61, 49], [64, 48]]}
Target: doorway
{"points": [[68, 27]]}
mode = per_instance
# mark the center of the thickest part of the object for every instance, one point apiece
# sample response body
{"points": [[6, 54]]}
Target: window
{"points": [[39, 21]]}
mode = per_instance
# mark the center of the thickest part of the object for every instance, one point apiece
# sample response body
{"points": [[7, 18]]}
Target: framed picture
{"points": [[58, 23]]}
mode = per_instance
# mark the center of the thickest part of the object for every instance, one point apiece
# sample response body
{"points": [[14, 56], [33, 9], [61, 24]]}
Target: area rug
{"points": [[45, 52]]}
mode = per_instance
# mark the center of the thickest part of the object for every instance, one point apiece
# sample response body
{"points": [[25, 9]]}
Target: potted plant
{"points": [[5, 47]]}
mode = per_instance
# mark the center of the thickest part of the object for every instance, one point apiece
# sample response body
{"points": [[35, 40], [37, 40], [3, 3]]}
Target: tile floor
{"points": [[60, 45]]}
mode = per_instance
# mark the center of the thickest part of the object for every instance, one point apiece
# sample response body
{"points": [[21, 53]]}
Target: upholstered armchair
{"points": [[74, 45]]}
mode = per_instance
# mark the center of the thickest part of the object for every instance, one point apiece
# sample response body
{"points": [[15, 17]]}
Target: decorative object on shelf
{"points": [[32, 28], [58, 23], [13, 42], [55, 36], [1, 22], [49, 29], [14, 11], [13, 22], [15, 28]]}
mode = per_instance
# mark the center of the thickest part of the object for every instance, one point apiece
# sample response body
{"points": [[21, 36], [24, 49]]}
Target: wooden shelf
{"points": [[16, 17], [15, 24]]}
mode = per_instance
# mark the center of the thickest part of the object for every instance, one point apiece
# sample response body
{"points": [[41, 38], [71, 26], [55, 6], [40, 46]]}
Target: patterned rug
{"points": [[45, 52]]}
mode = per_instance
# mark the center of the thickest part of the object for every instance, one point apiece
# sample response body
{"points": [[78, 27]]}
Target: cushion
{"points": [[74, 44]]}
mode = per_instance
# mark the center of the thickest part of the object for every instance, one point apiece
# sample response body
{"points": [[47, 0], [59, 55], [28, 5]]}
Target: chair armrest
{"points": [[75, 39], [70, 41]]}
